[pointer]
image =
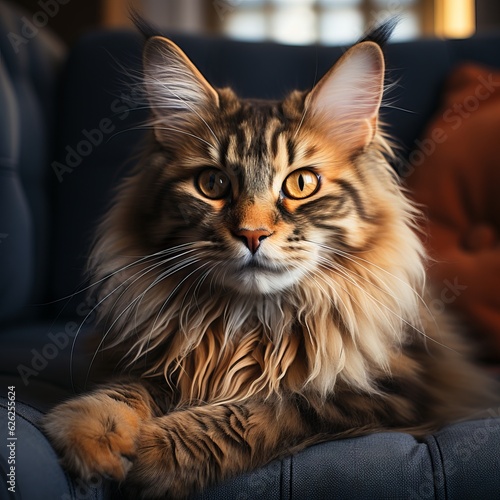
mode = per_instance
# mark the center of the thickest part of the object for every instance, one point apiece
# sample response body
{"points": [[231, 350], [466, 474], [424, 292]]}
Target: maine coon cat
{"points": [[261, 262]]}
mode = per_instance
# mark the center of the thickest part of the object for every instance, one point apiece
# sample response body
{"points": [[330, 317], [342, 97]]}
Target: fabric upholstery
{"points": [[28, 76], [37, 476], [461, 461]]}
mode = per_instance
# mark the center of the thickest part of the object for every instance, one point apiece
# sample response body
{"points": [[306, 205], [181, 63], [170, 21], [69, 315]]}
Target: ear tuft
{"points": [[381, 34], [144, 27]]}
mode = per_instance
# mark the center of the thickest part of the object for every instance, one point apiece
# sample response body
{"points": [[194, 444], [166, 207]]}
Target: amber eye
{"points": [[213, 183], [301, 184]]}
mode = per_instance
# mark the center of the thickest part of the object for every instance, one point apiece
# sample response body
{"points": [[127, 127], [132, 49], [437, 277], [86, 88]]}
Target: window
{"points": [[307, 21]]}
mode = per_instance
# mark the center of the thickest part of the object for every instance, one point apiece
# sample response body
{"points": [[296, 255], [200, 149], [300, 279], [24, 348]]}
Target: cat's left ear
{"points": [[176, 90], [347, 99]]}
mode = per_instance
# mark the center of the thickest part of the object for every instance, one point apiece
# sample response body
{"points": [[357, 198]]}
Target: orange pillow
{"points": [[456, 176]]}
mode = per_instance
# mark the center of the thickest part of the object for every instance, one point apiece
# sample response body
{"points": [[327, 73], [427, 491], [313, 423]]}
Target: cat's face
{"points": [[255, 196]]}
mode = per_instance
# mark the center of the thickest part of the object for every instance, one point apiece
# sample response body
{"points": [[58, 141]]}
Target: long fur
{"points": [[326, 322]]}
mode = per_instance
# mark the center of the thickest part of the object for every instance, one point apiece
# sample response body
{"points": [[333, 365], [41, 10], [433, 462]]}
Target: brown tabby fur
{"points": [[326, 324]]}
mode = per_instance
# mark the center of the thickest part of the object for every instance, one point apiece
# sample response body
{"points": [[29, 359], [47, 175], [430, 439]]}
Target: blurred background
{"points": [[329, 22]]}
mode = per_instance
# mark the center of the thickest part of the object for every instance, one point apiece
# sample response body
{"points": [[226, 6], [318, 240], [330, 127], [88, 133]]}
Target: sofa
{"points": [[69, 130]]}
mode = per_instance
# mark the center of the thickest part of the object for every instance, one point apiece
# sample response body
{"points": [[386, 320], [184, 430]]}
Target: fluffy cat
{"points": [[261, 261]]}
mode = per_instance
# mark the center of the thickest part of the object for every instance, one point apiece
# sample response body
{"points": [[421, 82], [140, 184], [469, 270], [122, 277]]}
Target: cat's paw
{"points": [[162, 467], [94, 434]]}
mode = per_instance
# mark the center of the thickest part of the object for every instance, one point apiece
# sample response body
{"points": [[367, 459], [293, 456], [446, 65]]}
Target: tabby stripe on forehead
{"points": [[290, 148], [223, 151], [259, 146], [122, 395], [241, 142], [274, 140]]}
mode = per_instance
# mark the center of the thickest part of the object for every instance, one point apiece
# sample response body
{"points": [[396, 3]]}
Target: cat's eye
{"points": [[301, 184], [213, 183]]}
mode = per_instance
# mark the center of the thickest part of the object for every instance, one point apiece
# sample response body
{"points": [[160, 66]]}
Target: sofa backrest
{"points": [[28, 79]]}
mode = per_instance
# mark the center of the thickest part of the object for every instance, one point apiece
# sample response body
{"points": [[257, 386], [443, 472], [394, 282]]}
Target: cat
{"points": [[261, 261]]}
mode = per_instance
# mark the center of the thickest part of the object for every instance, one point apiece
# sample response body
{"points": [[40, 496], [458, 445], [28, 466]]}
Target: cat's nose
{"points": [[252, 237]]}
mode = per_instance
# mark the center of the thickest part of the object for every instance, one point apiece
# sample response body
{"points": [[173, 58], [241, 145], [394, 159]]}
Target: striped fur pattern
{"points": [[260, 262]]}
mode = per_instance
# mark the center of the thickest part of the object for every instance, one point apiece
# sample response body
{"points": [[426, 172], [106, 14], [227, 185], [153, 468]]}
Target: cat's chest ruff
{"points": [[237, 357]]}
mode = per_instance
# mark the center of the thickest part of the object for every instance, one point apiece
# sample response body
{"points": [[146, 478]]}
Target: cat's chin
{"points": [[253, 282]]}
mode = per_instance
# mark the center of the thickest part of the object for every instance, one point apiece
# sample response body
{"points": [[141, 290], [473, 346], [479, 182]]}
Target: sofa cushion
{"points": [[458, 181]]}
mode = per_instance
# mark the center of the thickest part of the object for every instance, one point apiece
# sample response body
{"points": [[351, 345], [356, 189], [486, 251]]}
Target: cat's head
{"points": [[255, 196]]}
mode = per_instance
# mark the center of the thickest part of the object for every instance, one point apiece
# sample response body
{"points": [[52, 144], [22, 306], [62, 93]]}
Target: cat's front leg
{"points": [[97, 433], [187, 450]]}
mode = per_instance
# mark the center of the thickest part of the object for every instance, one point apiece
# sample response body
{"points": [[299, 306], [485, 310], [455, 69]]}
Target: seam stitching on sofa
{"points": [[31, 407], [437, 467]]}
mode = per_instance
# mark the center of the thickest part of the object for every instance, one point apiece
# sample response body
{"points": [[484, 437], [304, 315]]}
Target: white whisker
{"points": [[141, 273], [346, 274]]}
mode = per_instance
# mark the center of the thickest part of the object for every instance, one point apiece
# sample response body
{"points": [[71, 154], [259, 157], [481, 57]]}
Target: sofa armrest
{"points": [[460, 461]]}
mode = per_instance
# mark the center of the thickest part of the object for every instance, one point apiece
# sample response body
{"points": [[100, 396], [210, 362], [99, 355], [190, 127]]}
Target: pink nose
{"points": [[252, 237]]}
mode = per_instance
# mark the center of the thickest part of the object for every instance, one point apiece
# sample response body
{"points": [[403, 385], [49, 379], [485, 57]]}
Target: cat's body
{"points": [[262, 287]]}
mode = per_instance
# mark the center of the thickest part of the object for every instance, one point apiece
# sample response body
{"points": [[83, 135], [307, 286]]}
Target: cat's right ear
{"points": [[347, 99], [177, 92]]}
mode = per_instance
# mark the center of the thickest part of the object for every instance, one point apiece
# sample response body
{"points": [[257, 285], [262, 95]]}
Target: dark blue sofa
{"points": [[68, 132]]}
